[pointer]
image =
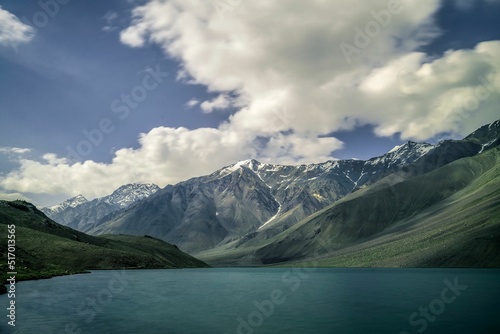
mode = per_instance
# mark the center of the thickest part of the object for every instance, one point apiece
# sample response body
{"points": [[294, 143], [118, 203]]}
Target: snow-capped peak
{"points": [[249, 163], [406, 153], [395, 148], [122, 197], [77, 200], [252, 164], [130, 193], [73, 202], [419, 148]]}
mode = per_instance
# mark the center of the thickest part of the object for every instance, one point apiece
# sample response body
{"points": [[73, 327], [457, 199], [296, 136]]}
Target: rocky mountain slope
{"points": [[448, 217]]}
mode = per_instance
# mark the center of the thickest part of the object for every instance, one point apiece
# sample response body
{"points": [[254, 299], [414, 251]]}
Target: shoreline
{"points": [[36, 277]]}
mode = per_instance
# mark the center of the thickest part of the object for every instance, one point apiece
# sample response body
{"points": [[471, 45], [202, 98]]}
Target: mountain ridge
{"points": [[253, 200], [78, 212]]}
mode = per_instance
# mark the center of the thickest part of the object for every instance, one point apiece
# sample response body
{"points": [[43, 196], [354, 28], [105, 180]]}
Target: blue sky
{"points": [[95, 94]]}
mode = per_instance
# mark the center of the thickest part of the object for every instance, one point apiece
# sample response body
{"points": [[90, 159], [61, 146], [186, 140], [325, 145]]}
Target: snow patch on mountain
{"points": [[271, 219], [484, 146]]}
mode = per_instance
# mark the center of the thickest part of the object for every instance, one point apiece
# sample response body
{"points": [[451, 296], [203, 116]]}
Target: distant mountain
{"points": [[81, 214], [45, 248], [68, 210], [249, 203], [247, 196], [68, 204], [252, 201]]}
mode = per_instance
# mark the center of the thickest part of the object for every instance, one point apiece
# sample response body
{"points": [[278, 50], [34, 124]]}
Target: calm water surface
{"points": [[260, 300]]}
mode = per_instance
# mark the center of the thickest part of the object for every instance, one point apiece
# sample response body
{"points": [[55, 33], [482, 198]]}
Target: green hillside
{"points": [[45, 248]]}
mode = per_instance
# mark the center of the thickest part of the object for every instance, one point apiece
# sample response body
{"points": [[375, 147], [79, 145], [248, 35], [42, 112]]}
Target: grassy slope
{"points": [[464, 233], [45, 248], [448, 217]]}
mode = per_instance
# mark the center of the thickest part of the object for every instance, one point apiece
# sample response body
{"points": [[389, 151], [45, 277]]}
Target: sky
{"points": [[97, 94]]}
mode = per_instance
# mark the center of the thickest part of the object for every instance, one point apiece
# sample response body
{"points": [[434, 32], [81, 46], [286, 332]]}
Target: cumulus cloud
{"points": [[290, 53], [454, 94], [12, 31], [283, 64], [271, 54]]}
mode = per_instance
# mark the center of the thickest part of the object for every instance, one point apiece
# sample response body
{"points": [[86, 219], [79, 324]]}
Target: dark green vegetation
{"points": [[45, 248], [449, 217]]}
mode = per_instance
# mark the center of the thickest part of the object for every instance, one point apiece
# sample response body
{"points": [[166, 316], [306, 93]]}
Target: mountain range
{"points": [[248, 212], [79, 213]]}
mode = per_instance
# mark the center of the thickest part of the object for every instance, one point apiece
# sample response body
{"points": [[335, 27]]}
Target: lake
{"points": [[260, 300]]}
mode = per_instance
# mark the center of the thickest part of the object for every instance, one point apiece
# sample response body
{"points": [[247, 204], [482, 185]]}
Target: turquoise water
{"points": [[260, 300]]}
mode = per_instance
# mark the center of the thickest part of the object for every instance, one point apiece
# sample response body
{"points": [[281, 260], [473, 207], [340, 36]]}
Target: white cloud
{"points": [[12, 31], [281, 64], [297, 63], [108, 28], [192, 103], [283, 52], [222, 101], [455, 94], [14, 150]]}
